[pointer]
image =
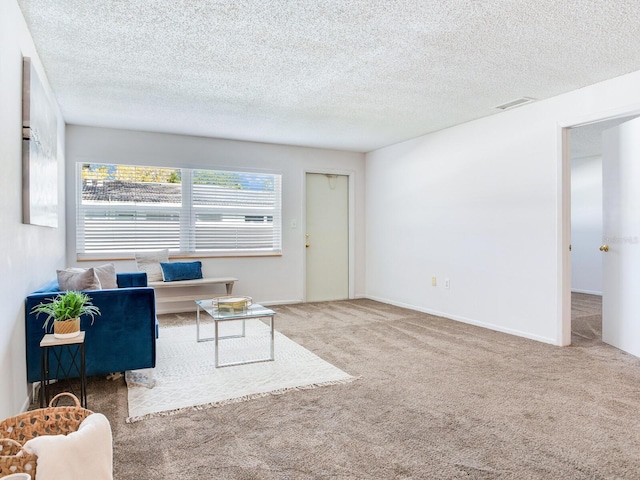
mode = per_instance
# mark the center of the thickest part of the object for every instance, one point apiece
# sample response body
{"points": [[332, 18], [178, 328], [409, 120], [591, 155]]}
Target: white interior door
{"points": [[327, 237], [621, 232]]}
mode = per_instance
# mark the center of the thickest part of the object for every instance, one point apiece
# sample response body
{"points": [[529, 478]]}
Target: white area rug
{"points": [[185, 376]]}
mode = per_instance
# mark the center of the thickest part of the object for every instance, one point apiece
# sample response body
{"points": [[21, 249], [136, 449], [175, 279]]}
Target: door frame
{"points": [[351, 182], [563, 335]]}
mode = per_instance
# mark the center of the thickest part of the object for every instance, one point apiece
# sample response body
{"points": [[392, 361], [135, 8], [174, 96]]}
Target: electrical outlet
{"points": [[447, 284], [433, 281]]}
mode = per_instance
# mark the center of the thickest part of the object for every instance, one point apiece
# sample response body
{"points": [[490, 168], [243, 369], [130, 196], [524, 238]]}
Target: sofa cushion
{"points": [[107, 275], [149, 262], [176, 271], [78, 279], [131, 279]]}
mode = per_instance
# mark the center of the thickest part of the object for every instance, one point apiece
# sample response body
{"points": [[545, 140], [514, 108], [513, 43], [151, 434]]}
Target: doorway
{"points": [[588, 280], [586, 235], [327, 237]]}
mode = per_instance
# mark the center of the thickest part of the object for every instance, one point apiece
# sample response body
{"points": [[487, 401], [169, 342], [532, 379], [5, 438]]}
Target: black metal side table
{"points": [[75, 348]]}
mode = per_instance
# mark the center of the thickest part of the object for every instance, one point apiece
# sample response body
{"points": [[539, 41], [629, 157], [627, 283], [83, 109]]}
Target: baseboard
{"points": [[178, 309], [279, 302], [28, 401], [588, 292], [437, 313], [191, 308], [469, 321]]}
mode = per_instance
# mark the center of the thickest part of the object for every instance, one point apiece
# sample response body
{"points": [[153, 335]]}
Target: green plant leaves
{"points": [[66, 306]]}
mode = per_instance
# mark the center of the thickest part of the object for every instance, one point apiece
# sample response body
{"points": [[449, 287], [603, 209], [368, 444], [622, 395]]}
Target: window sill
{"points": [[177, 256]]}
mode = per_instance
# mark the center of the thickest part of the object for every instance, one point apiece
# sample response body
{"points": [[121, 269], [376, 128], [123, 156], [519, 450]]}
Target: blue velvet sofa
{"points": [[122, 338]]}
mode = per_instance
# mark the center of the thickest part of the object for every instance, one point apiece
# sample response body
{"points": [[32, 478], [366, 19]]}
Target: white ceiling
{"points": [[344, 74]]}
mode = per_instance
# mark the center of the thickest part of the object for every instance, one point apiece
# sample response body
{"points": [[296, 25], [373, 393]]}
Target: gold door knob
{"points": [[604, 248], [307, 245]]}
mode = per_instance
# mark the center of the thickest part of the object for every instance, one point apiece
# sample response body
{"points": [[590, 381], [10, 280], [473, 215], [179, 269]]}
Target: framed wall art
{"points": [[39, 151]]}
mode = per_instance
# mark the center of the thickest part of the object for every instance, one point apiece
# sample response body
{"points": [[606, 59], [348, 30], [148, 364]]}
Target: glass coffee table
{"points": [[252, 312]]}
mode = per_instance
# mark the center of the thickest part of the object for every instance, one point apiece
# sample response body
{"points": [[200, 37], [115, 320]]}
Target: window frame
{"points": [[188, 213]]}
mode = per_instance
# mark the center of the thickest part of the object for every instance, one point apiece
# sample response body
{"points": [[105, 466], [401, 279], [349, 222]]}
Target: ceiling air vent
{"points": [[515, 103]]}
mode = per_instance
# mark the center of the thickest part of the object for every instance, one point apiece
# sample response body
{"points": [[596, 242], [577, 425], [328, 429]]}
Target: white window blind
{"points": [[123, 209]]}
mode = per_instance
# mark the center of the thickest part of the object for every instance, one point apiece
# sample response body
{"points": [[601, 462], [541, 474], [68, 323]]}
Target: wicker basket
{"points": [[16, 431]]}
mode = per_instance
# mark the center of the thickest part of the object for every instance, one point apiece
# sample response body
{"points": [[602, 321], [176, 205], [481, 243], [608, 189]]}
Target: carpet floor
{"points": [[437, 399]]}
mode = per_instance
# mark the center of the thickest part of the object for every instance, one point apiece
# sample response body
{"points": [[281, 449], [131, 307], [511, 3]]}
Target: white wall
{"points": [[479, 203], [265, 279], [30, 254], [586, 224]]}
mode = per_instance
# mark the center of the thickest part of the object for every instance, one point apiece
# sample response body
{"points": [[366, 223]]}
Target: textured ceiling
{"points": [[345, 74]]}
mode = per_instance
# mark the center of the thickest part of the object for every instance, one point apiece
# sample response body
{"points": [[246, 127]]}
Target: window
{"points": [[122, 209]]}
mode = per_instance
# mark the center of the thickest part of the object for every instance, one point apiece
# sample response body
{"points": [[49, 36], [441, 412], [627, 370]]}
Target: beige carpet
{"points": [[437, 399]]}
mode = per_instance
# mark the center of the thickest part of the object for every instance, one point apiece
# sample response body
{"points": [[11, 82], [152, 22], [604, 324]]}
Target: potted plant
{"points": [[65, 310]]}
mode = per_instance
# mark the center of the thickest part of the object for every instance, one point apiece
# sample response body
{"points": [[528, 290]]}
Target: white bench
{"points": [[183, 286]]}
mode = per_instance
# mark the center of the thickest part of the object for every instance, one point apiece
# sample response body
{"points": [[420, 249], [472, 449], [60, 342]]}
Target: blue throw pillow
{"points": [[175, 271]]}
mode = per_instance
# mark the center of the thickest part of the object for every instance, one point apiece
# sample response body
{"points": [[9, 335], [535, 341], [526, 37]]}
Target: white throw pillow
{"points": [[107, 275], [85, 453], [149, 262]]}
